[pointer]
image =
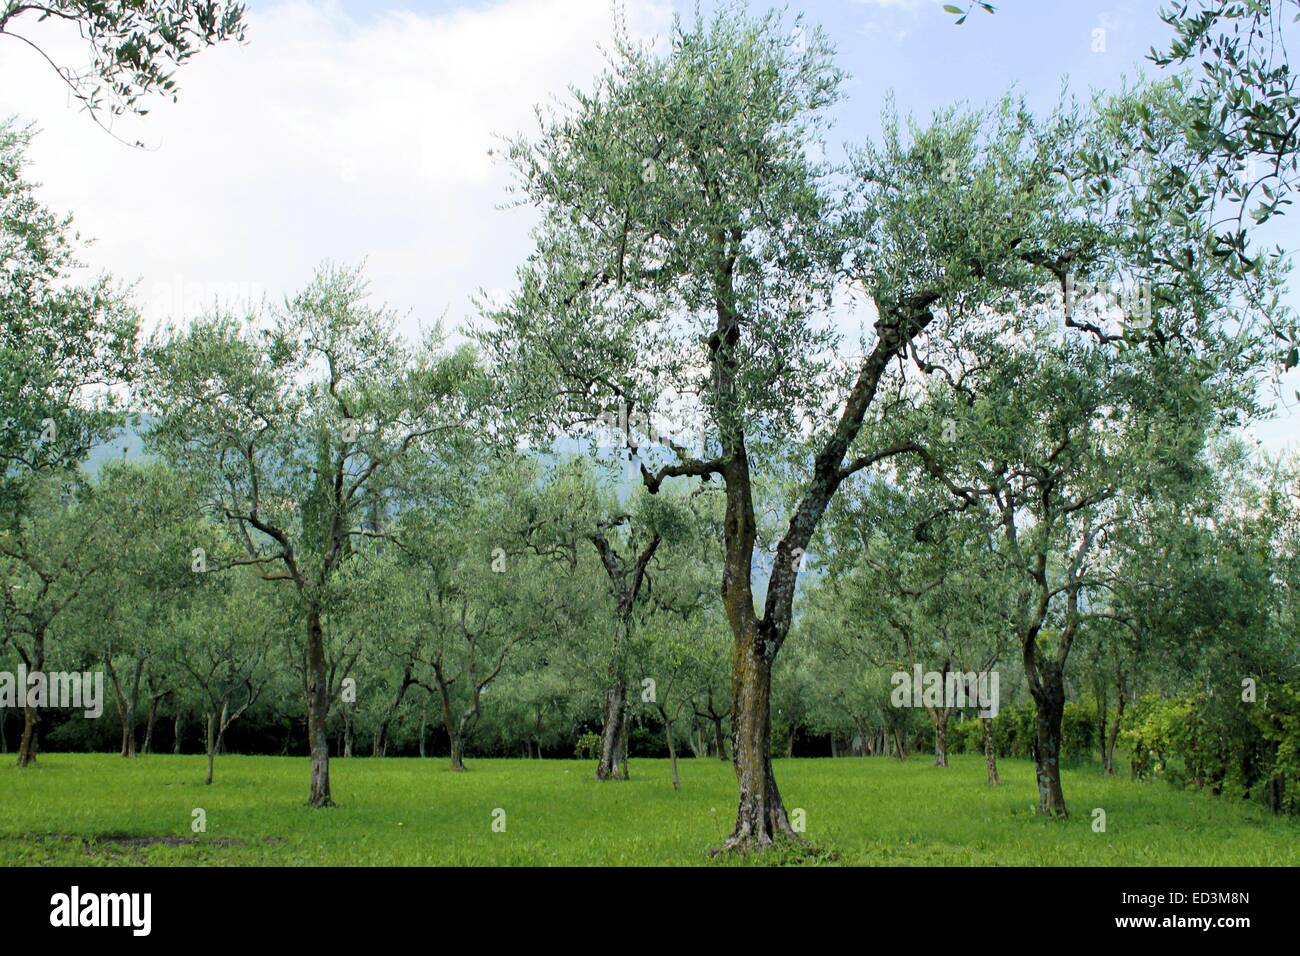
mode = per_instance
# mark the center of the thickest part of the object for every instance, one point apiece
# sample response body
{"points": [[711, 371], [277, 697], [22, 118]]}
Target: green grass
{"points": [[85, 809]]}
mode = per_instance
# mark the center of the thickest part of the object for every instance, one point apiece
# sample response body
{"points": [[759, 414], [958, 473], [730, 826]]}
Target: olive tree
{"points": [[691, 246], [293, 422]]}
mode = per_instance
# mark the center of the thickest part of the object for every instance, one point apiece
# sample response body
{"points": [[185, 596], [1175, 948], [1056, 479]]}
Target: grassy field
{"points": [[79, 809]]}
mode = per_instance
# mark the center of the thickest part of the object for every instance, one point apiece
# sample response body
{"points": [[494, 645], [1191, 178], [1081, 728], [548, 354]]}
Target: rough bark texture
{"points": [[30, 742], [760, 816], [1049, 702], [939, 717], [990, 754], [27, 746], [318, 707], [613, 757]]}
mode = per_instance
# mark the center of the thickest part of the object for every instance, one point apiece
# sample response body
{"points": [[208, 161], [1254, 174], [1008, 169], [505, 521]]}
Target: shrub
{"points": [[588, 747]]}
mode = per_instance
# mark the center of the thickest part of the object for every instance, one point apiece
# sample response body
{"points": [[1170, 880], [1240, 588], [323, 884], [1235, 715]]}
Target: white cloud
{"points": [[320, 138]]}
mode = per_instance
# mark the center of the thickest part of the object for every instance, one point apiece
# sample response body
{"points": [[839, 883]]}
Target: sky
{"points": [[362, 130]]}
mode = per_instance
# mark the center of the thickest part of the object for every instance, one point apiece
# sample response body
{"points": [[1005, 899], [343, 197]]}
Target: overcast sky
{"points": [[361, 129]]}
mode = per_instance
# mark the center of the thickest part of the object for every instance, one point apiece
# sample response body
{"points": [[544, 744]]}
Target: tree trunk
{"points": [[672, 751], [149, 724], [125, 711], [318, 708], [31, 732], [178, 723], [719, 740], [211, 743], [30, 743], [697, 742], [424, 727], [457, 750], [1049, 703], [620, 752], [128, 732], [613, 736], [1108, 760], [381, 735], [1102, 706], [990, 754], [939, 717], [760, 815]]}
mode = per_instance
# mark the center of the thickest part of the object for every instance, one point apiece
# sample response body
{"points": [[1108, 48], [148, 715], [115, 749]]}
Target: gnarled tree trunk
{"points": [[939, 718], [1049, 704], [318, 708], [990, 754], [125, 708], [30, 742], [760, 815], [613, 748]]}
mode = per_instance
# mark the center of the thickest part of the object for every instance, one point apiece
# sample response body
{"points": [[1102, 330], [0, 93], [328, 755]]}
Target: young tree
{"points": [[1058, 448], [226, 641], [579, 512], [684, 622], [475, 598], [143, 556], [919, 593], [47, 558], [293, 427]]}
